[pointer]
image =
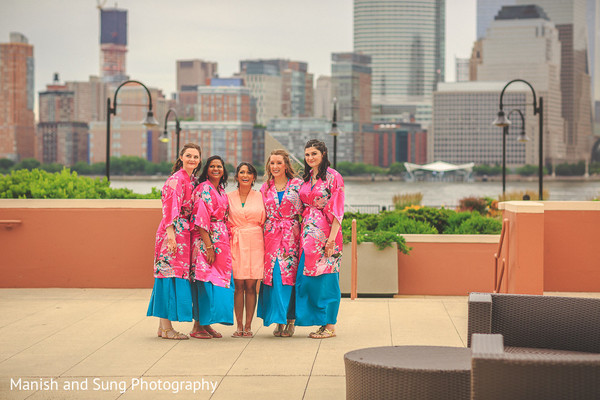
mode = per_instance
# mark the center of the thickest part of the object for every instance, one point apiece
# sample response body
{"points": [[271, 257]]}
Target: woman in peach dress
{"points": [[246, 219]]}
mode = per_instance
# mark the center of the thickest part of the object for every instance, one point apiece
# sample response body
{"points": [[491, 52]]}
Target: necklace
{"points": [[279, 188]]}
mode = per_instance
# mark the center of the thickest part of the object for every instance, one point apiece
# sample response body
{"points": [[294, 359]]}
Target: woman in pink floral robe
{"points": [[171, 296], [317, 285], [212, 289], [282, 241]]}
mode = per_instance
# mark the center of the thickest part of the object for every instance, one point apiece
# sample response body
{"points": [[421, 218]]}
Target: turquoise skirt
{"points": [[171, 299], [276, 303], [212, 304], [317, 297]]}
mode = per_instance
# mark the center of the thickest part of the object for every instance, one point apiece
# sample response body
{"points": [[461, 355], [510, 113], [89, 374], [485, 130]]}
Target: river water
{"points": [[380, 192]]}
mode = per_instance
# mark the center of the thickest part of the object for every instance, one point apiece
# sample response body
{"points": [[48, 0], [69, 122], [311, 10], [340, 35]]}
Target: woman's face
{"points": [[313, 157], [215, 170], [190, 159], [245, 178], [277, 166]]}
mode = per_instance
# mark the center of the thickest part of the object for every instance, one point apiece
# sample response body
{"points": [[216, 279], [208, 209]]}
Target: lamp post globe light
{"points": [[165, 135], [149, 121], [335, 131], [503, 122]]}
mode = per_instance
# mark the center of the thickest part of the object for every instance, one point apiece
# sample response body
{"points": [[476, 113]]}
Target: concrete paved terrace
{"points": [[98, 344]]}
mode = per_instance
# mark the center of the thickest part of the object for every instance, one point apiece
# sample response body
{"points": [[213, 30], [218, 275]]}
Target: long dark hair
{"points": [[322, 173], [251, 169], [204, 175], [179, 164]]}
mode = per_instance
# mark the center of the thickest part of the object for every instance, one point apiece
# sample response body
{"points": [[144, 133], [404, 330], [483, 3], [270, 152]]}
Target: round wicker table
{"points": [[408, 372]]}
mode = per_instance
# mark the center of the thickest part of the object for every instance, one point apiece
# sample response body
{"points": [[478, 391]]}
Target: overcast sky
{"points": [[65, 34]]}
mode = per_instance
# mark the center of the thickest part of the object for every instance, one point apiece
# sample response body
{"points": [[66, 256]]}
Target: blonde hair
{"points": [[289, 170]]}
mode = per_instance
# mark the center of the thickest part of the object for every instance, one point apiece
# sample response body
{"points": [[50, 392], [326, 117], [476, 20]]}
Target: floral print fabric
{"points": [[323, 203], [282, 230], [210, 213], [176, 196]]}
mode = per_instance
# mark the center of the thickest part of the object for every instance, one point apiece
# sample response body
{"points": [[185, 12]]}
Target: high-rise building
{"points": [[190, 75], [462, 69], [385, 144], [569, 18], [61, 138], [323, 97], [487, 10], [17, 126], [406, 42], [113, 45], [462, 130], [351, 86], [593, 23], [128, 136], [523, 43], [89, 99]]}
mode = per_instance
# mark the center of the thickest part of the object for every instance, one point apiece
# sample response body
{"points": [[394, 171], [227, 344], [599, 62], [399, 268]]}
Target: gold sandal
{"points": [[278, 330], [322, 333], [176, 335], [289, 329]]}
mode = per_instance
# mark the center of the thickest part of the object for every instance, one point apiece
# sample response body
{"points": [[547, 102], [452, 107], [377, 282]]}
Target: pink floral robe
{"points": [[210, 213], [177, 205], [323, 203], [282, 230], [246, 226]]}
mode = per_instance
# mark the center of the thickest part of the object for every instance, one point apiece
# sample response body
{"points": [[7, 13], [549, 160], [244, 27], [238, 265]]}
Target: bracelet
{"points": [[209, 247]]}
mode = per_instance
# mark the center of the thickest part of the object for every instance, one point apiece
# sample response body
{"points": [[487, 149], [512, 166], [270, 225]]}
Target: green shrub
{"points": [[396, 169], [455, 221], [530, 170], [436, 217], [485, 169], [477, 224], [567, 169], [40, 184]]}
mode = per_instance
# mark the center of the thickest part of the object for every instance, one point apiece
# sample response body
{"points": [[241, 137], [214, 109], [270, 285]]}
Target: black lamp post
{"points": [[521, 138], [165, 135], [148, 121], [502, 121], [334, 132]]}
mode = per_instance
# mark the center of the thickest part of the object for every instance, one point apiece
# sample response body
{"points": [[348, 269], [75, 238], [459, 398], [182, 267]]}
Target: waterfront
{"points": [[448, 194]]}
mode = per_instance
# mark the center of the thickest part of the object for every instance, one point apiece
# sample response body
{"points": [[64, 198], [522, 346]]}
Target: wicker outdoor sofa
{"points": [[534, 347]]}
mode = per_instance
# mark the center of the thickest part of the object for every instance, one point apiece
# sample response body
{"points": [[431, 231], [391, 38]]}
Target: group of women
{"points": [[212, 248]]}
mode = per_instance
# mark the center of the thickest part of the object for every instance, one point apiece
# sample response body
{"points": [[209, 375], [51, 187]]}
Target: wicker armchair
{"points": [[538, 322], [498, 374]]}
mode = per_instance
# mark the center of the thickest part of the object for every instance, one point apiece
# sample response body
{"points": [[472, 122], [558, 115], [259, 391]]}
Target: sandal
{"points": [[212, 332], [238, 334], [323, 333], [248, 334], [201, 335], [289, 330], [278, 330], [175, 336]]}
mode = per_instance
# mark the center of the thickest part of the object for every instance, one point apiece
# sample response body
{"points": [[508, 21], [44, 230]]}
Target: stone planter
{"points": [[377, 269]]}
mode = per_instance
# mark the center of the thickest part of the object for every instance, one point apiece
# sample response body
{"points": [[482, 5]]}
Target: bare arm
{"points": [[335, 228]]}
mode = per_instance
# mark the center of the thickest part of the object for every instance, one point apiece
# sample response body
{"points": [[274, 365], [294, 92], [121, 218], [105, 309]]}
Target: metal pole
{"points": [[108, 139], [335, 152], [504, 133], [177, 131], [541, 155]]}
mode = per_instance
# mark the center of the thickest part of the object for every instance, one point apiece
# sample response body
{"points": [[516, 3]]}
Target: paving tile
{"points": [[326, 387], [172, 387], [261, 387]]}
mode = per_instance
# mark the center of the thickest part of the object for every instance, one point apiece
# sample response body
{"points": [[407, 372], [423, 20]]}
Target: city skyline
{"points": [[62, 28]]}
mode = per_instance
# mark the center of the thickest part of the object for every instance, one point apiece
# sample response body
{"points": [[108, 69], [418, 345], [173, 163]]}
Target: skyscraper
{"points": [[462, 69], [322, 107], [569, 18], [17, 129], [487, 10], [113, 45], [351, 86], [406, 41], [190, 75]]}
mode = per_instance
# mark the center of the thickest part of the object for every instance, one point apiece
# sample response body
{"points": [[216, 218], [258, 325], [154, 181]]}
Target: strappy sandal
{"points": [[289, 330], [213, 333], [201, 335], [248, 334], [322, 334], [278, 330], [176, 335], [238, 334]]}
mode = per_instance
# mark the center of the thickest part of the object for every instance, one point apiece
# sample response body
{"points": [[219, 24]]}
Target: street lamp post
{"points": [[334, 132], [165, 135], [538, 108], [521, 138], [148, 121]]}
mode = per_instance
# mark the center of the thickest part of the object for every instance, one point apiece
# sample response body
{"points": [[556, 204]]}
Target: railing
{"points": [[354, 255], [498, 279]]}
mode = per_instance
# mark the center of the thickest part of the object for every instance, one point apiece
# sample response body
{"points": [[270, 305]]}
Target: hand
{"points": [[329, 248], [171, 245], [210, 255]]}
